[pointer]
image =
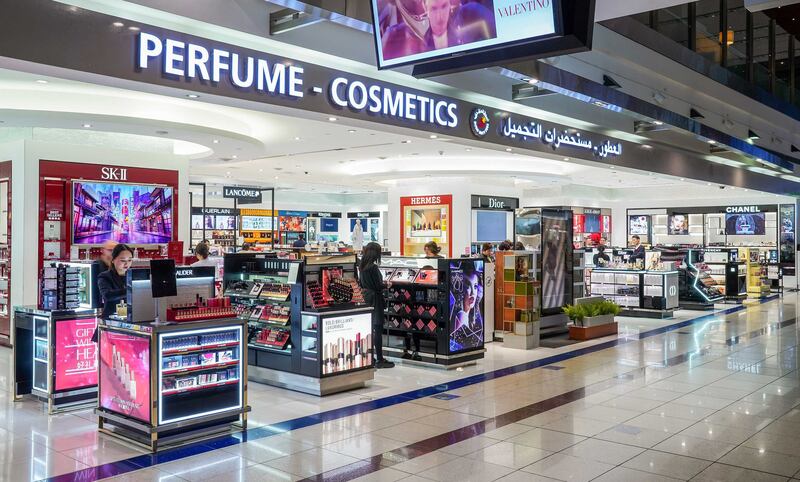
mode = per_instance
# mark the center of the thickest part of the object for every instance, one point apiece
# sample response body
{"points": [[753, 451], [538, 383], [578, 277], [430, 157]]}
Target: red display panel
{"points": [[125, 374], [75, 354], [578, 223], [423, 219]]}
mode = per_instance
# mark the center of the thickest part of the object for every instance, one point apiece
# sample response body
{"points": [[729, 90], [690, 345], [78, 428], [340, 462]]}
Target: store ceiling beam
{"points": [[695, 114], [528, 91], [609, 81], [759, 5], [354, 14]]}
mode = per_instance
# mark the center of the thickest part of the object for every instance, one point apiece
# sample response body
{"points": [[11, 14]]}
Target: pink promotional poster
{"points": [[75, 354], [124, 374]]}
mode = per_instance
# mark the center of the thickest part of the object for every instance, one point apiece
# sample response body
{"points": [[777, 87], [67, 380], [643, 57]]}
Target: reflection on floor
{"points": [[713, 399]]}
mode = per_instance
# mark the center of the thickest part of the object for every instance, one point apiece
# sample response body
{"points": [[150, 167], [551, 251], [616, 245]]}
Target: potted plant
{"points": [[593, 313]]}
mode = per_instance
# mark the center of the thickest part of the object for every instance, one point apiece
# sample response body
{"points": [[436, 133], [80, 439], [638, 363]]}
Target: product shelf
{"points": [[175, 391], [199, 368], [199, 348]]}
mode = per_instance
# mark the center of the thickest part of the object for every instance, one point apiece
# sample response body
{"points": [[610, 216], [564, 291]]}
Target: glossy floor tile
{"points": [[717, 398]]}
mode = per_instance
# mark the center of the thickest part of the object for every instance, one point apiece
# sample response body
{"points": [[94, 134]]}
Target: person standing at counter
{"points": [[203, 252], [111, 282], [638, 249], [101, 265], [371, 282], [432, 250], [601, 259], [487, 253], [301, 242]]}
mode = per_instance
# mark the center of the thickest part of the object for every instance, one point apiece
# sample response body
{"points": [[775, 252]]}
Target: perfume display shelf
{"points": [[642, 293], [55, 359], [173, 382]]}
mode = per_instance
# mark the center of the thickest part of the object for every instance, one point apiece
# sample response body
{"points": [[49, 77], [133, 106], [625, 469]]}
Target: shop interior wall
{"points": [[25, 198], [461, 222], [14, 151], [288, 200]]}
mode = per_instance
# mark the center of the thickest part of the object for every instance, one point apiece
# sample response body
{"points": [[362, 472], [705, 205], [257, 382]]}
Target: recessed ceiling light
{"points": [[468, 149], [41, 81], [658, 123], [708, 184], [276, 177], [613, 167], [118, 24], [332, 119], [297, 138], [508, 149], [234, 156], [712, 142], [215, 141], [433, 136], [683, 179], [351, 131], [646, 146], [87, 126], [133, 28], [566, 158], [192, 96], [261, 170]]}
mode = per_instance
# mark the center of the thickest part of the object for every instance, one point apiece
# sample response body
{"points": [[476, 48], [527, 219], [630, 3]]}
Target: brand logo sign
{"points": [[495, 202], [742, 209], [219, 211], [535, 131], [114, 173], [426, 200], [371, 214], [479, 122], [242, 195]]}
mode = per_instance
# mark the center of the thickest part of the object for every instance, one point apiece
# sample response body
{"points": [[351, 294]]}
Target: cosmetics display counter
{"points": [[728, 270], [440, 303], [308, 328], [161, 384], [644, 293], [55, 359]]}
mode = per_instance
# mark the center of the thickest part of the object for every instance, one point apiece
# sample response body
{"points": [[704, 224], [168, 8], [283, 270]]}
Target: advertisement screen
{"points": [[578, 223], [639, 225], [678, 225], [75, 354], [125, 213], [295, 224], [466, 300], [374, 230], [591, 223], [745, 224], [787, 245], [197, 221], [528, 226], [492, 226], [555, 238], [225, 222], [256, 223], [346, 343], [329, 225], [409, 31], [426, 223], [125, 374]]}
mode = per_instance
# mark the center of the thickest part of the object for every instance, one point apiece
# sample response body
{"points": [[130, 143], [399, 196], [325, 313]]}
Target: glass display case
{"points": [[67, 286], [172, 382], [648, 293]]}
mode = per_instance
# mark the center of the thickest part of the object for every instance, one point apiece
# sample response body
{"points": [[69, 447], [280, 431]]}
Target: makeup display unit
{"points": [[728, 270], [309, 329], [642, 293], [55, 359], [439, 302], [168, 383]]}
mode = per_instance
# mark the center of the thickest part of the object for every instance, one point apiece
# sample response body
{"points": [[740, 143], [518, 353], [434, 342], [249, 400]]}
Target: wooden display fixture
{"points": [[518, 293], [590, 332]]}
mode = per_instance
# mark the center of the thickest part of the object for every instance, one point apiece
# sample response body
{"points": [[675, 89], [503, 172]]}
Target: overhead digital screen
{"points": [[413, 31]]}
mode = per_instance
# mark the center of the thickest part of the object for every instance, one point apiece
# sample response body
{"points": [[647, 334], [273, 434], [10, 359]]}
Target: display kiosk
{"points": [[641, 293], [308, 327], [162, 384], [55, 359], [437, 303]]}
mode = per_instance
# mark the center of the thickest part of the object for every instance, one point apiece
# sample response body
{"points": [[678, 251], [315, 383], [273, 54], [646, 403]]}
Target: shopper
{"points": [[601, 259], [203, 254], [432, 250], [101, 265], [301, 242], [638, 249], [111, 283], [505, 246], [487, 253], [371, 283], [518, 246]]}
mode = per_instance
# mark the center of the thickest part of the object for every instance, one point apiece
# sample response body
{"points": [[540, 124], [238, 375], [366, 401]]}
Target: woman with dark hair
{"points": [[371, 283], [111, 283], [432, 250]]}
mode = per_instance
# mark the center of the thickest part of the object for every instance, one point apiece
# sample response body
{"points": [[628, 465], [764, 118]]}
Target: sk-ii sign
{"points": [[114, 174]]}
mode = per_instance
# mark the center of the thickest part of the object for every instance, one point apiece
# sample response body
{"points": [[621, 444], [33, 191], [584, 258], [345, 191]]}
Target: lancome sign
{"points": [[243, 195]]}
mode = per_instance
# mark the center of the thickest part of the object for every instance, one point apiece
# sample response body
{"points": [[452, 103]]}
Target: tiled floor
{"points": [[714, 400]]}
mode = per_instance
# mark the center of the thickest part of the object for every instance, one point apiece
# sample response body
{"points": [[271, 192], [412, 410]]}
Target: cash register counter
{"points": [[641, 293], [55, 359], [172, 382]]}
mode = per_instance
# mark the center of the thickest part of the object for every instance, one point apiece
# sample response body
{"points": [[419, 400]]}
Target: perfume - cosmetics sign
{"points": [[75, 354], [125, 374]]}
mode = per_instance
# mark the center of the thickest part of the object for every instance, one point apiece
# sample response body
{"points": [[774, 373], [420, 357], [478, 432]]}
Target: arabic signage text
{"points": [[532, 131]]}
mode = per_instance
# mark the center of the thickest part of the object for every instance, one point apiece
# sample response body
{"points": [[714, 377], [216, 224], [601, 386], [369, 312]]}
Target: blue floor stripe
{"points": [[150, 460]]}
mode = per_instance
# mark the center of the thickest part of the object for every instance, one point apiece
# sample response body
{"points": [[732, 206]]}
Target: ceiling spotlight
{"points": [[646, 146], [508, 149], [752, 136], [351, 131], [192, 96], [297, 138], [133, 28], [276, 177], [433, 136], [87, 126], [41, 81], [118, 24], [683, 179], [658, 123], [566, 158], [531, 80], [468, 149], [234, 156], [332, 119], [215, 141], [712, 142]]}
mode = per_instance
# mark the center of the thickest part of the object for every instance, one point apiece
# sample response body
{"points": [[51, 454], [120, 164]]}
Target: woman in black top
{"points": [[111, 283], [372, 285], [601, 258]]}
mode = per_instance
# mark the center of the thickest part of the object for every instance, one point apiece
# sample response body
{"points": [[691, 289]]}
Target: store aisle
{"points": [[715, 398]]}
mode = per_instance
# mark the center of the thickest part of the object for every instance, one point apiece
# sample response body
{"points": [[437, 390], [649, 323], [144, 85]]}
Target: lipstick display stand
{"points": [[54, 357], [308, 330], [174, 382]]}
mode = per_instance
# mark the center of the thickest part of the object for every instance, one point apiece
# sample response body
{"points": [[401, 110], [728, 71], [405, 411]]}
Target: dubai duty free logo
{"points": [[479, 122]]}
